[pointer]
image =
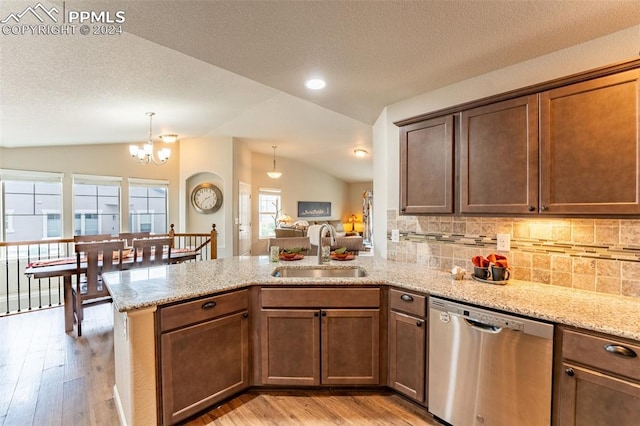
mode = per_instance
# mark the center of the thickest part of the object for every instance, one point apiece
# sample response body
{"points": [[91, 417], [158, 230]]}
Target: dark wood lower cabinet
{"points": [[290, 347], [320, 347], [589, 397], [407, 355], [599, 380], [202, 364]]}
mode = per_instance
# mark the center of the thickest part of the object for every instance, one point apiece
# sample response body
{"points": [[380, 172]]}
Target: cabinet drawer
{"points": [[407, 302], [590, 350], [320, 297], [202, 309]]}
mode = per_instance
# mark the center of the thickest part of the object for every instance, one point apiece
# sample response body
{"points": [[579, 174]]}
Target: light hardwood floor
{"points": [[48, 377]]}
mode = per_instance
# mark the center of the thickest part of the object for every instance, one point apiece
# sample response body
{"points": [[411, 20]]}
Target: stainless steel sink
{"points": [[320, 272]]}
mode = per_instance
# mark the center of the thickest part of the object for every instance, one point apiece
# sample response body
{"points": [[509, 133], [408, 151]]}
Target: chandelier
{"points": [[145, 154], [273, 174]]}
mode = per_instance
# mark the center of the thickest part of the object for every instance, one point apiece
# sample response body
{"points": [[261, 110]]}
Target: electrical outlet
{"points": [[503, 242], [395, 236]]}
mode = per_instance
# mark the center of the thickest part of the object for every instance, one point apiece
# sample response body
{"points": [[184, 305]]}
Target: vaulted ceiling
{"points": [[237, 68]]}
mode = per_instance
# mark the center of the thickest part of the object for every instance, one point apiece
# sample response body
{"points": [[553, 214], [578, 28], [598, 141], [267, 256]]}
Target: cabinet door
{"points": [[590, 147], [350, 346], [290, 347], [196, 372], [407, 355], [499, 157], [426, 166], [587, 397]]}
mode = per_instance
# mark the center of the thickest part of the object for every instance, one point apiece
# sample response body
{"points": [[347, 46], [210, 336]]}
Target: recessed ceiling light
{"points": [[360, 152], [315, 84]]}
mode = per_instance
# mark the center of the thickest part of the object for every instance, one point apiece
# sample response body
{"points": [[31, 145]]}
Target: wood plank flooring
{"points": [[48, 377]]}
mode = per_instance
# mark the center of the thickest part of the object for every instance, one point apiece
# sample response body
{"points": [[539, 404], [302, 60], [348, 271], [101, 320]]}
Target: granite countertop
{"points": [[147, 287]]}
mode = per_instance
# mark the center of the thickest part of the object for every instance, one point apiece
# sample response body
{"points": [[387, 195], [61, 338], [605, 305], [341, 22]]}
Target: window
{"points": [[268, 210], [148, 205], [96, 205], [32, 205]]}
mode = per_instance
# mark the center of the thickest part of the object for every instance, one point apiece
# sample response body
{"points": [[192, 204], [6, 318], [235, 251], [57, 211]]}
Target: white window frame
{"points": [[45, 218]]}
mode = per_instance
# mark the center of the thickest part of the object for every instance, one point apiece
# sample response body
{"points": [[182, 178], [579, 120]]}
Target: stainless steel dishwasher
{"points": [[488, 368]]}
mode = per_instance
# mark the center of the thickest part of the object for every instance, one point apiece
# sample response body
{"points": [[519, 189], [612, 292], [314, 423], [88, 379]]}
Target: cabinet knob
{"points": [[532, 208], [245, 315], [419, 323], [315, 314], [406, 298], [324, 314], [569, 371], [404, 209], [209, 305], [544, 208]]}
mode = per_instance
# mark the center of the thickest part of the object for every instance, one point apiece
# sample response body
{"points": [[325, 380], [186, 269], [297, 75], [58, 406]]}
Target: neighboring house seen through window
{"points": [[96, 205], [148, 206]]}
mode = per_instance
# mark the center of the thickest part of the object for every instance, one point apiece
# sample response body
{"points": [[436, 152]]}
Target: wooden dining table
{"points": [[67, 267]]}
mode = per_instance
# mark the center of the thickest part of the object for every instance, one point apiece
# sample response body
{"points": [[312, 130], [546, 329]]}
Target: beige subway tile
{"points": [[584, 282], [608, 285], [411, 258], [521, 273], [561, 263], [630, 270], [521, 229], [582, 222], [446, 219], [459, 227], [584, 266], [607, 235], [541, 276], [520, 259], [444, 264], [541, 230], [411, 225], [561, 233], [422, 226], [607, 222], [583, 234], [563, 279], [630, 235], [488, 229], [474, 228], [541, 261], [433, 227], [446, 227], [631, 288], [608, 268], [504, 226]]}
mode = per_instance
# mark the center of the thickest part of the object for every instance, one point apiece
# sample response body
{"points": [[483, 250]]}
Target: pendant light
{"points": [[145, 154], [273, 174]]}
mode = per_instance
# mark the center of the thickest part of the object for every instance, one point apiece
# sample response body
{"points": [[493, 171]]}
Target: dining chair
{"points": [[92, 238], [128, 237], [99, 257], [150, 251]]}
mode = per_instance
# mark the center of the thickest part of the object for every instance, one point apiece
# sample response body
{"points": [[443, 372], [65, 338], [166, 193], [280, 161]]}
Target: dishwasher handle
{"points": [[480, 326]]}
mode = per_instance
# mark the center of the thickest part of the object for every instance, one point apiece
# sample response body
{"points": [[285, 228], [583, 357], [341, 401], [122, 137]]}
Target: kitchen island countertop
{"points": [[149, 287]]}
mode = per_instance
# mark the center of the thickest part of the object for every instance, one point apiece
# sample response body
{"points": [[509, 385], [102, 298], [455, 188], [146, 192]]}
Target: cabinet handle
{"points": [[209, 305], [406, 298], [544, 208], [620, 350], [532, 209], [419, 323], [569, 372], [404, 209], [315, 314], [245, 315], [324, 314]]}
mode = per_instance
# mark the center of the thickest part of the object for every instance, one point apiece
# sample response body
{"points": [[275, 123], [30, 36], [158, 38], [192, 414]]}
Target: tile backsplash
{"points": [[601, 255]]}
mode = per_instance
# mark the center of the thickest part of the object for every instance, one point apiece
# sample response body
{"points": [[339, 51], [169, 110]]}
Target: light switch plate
{"points": [[503, 242], [395, 236]]}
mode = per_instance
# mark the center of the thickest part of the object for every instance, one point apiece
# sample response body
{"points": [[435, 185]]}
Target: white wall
{"points": [[613, 48], [299, 182], [208, 159]]}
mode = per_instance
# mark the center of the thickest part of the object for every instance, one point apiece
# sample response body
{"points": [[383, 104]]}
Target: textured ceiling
{"points": [[236, 68]]}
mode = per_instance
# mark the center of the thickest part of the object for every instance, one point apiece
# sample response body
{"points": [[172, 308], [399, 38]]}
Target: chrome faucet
{"points": [[332, 235]]}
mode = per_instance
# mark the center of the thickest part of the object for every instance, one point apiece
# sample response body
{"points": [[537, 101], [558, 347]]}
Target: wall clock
{"points": [[206, 198]]}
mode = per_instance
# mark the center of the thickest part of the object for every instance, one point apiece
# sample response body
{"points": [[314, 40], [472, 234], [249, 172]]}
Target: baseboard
{"points": [[119, 409]]}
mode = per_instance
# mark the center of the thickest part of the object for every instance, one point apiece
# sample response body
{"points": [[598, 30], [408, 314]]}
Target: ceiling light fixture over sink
{"points": [[273, 174], [146, 155], [360, 152]]}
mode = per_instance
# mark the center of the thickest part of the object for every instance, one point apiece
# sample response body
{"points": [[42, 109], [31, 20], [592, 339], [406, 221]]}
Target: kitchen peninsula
{"points": [[142, 297]]}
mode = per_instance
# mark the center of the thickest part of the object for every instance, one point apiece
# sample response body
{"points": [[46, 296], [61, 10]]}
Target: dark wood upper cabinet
{"points": [[499, 157], [426, 166], [590, 147]]}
